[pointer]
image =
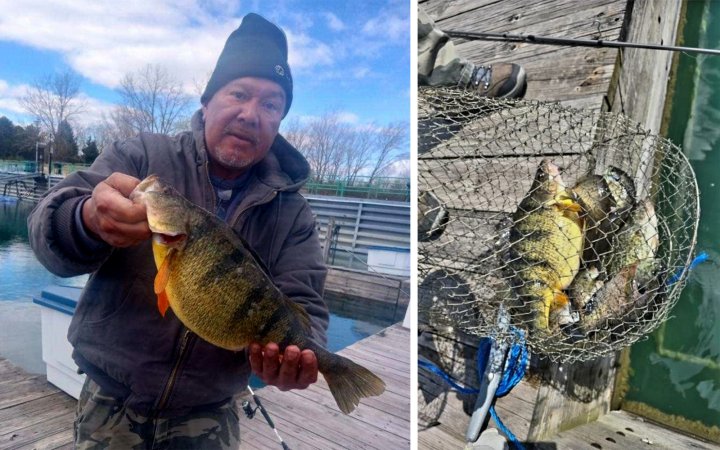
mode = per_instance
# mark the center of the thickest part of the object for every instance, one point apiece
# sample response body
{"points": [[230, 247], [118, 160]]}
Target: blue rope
{"points": [[701, 258], [514, 372], [437, 371]]}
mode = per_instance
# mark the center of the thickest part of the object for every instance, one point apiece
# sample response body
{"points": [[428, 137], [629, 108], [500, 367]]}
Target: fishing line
{"points": [[250, 413], [571, 42]]}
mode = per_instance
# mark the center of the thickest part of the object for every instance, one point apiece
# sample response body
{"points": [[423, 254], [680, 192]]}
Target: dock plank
{"points": [[620, 430], [379, 422]]}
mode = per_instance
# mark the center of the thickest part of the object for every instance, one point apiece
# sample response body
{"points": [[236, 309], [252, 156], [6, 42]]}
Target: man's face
{"points": [[241, 122]]}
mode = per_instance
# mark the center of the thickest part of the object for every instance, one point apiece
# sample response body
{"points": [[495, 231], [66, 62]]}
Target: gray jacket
{"points": [[119, 337]]}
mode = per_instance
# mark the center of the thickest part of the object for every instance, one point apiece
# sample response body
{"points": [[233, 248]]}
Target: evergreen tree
{"points": [[7, 138], [24, 142], [66, 147], [90, 151]]}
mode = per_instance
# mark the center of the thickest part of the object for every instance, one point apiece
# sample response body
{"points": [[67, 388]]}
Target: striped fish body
{"points": [[219, 290], [546, 243]]}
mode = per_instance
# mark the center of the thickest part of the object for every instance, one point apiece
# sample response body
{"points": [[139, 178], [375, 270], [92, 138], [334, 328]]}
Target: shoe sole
{"points": [[520, 86]]}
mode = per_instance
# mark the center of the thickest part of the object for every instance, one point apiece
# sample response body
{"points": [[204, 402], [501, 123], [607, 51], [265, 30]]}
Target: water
{"points": [[22, 277], [677, 370]]}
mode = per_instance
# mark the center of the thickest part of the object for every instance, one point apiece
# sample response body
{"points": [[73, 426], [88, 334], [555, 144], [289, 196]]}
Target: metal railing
{"points": [[58, 168], [353, 226], [379, 188]]}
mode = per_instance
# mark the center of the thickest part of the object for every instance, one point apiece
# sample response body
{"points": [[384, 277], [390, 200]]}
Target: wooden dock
{"points": [[309, 419], [360, 293], [33, 413], [36, 415]]}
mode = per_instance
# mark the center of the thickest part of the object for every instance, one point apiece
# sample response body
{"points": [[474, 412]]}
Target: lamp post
{"points": [[40, 157], [50, 155]]}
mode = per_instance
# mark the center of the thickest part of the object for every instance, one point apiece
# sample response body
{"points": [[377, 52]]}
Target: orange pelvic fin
{"points": [[560, 299], [161, 281], [163, 303]]}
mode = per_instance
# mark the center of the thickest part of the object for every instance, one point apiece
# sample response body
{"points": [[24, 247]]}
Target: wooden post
{"points": [[328, 238]]}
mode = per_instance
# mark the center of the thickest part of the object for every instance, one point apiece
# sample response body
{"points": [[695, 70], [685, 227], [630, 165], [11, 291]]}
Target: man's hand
{"points": [[291, 370], [111, 216]]}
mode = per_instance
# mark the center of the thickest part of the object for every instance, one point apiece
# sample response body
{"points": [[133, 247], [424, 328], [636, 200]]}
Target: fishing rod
{"points": [[250, 413], [534, 39]]}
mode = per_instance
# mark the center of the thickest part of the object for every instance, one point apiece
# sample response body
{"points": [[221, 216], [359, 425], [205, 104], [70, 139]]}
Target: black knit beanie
{"points": [[258, 48]]}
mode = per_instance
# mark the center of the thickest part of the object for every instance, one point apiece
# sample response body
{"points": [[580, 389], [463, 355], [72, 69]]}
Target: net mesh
{"points": [[581, 223]]}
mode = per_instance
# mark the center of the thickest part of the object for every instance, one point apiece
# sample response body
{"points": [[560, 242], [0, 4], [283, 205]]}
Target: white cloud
{"points": [[394, 27], [306, 52], [105, 40], [361, 72], [10, 103], [348, 117], [93, 112], [333, 22], [400, 168]]}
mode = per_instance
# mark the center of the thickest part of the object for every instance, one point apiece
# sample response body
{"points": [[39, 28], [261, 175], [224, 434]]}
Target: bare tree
{"points": [[296, 134], [52, 100], [358, 153], [322, 141], [388, 140], [335, 149], [151, 101]]}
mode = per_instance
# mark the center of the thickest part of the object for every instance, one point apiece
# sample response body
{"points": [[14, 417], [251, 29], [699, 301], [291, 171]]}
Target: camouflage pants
{"points": [[438, 62], [103, 422]]}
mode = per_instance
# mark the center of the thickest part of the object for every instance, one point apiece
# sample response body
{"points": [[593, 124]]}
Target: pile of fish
{"points": [[216, 286], [583, 259]]}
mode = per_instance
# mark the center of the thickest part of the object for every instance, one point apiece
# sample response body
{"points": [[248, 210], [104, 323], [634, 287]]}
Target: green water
{"points": [[677, 370]]}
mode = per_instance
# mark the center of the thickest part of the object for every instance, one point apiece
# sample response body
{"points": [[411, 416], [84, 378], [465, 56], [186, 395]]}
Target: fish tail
{"points": [[348, 381]]}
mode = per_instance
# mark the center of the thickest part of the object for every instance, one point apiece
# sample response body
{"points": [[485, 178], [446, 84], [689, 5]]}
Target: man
{"points": [[150, 380]]}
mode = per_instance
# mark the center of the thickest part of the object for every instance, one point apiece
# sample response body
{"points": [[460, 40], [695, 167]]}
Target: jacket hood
{"points": [[284, 168]]}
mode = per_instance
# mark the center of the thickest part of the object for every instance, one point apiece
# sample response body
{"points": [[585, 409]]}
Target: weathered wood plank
{"points": [[489, 184], [379, 422], [54, 401], [643, 74], [34, 418], [305, 421], [573, 395], [436, 438], [61, 440], [366, 285], [32, 433], [503, 130], [621, 430]]}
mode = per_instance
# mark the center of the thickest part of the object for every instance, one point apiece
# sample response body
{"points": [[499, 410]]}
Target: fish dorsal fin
{"points": [[161, 281]]}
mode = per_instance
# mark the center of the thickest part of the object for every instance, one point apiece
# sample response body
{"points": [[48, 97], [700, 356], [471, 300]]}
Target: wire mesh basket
{"points": [[580, 222]]}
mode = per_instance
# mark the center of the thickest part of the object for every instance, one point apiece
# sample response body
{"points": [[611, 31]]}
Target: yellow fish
{"points": [[217, 288]]}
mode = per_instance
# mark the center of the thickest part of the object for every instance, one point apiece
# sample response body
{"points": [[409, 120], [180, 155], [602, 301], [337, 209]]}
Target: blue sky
{"points": [[349, 57]]}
